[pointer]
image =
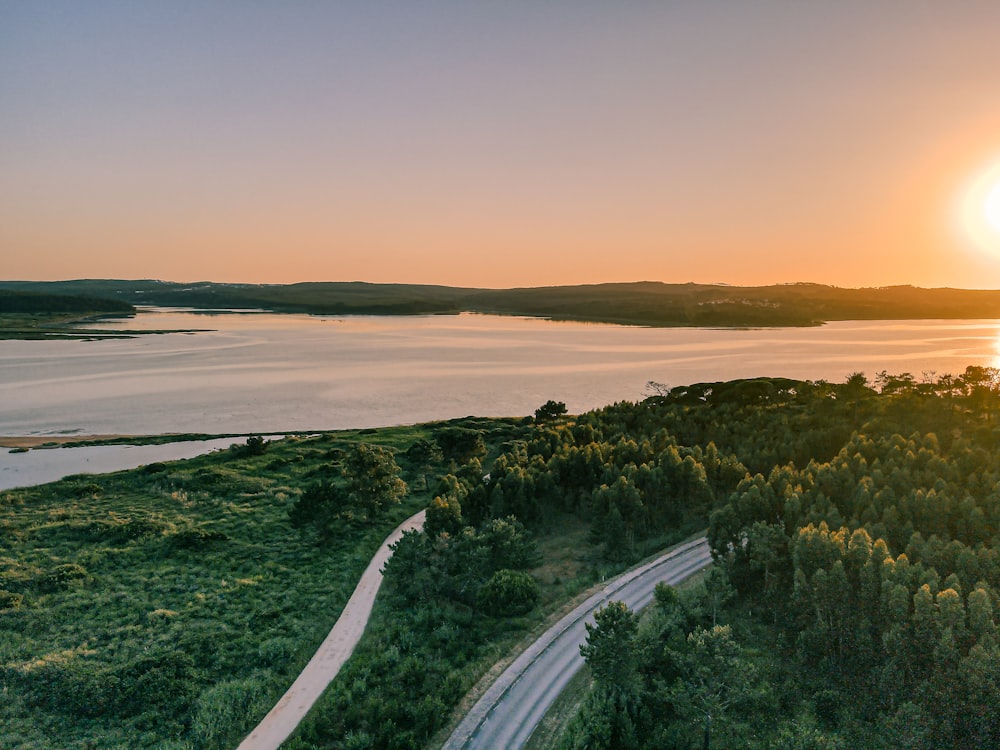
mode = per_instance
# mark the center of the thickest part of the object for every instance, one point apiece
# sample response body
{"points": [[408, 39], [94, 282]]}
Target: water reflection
{"points": [[265, 372], [47, 465]]}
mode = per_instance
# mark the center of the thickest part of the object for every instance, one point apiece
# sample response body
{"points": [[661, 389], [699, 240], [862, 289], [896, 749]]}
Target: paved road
{"points": [[334, 651], [513, 706]]}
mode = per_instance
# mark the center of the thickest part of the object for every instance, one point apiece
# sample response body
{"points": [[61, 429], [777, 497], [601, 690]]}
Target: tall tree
{"points": [[610, 647], [372, 476]]}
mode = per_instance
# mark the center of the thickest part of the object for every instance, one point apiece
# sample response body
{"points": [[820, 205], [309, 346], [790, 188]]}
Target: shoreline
{"points": [[56, 441], [44, 442]]}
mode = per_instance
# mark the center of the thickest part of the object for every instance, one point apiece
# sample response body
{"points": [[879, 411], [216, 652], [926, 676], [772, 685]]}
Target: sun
{"points": [[991, 207], [980, 209]]}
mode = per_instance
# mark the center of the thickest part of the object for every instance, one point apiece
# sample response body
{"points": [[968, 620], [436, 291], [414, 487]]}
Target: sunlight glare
{"points": [[980, 210], [991, 207]]}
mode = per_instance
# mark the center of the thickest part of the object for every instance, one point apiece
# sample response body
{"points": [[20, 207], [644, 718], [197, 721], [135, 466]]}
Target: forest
{"points": [[853, 603], [38, 302], [640, 303], [49, 315], [854, 599]]}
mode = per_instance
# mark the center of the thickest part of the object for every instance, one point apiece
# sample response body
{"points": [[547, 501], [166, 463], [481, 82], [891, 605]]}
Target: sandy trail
{"points": [[281, 721]]}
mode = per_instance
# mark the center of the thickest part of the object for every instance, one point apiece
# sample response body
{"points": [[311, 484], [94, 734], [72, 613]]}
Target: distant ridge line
{"points": [[644, 303]]}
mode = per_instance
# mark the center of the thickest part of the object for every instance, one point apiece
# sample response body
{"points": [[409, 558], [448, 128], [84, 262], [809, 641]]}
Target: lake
{"points": [[269, 373], [262, 372], [48, 465]]}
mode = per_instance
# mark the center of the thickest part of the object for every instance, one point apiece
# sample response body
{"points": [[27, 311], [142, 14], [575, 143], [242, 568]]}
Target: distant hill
{"points": [[656, 304], [639, 303], [332, 298], [45, 302]]}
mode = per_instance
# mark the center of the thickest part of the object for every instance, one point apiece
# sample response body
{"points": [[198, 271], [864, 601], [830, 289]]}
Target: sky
{"points": [[502, 144]]}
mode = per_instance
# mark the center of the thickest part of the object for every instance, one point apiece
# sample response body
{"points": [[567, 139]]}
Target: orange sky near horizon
{"points": [[514, 145]]}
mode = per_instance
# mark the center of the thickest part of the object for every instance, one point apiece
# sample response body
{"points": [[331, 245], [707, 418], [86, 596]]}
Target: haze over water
{"points": [[270, 373]]}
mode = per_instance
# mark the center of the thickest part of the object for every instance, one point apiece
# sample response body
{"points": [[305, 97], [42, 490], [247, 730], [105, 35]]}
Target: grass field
{"points": [[170, 606]]}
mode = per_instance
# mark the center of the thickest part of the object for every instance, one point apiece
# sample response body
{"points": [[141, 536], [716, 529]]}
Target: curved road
{"points": [[511, 708], [334, 651]]}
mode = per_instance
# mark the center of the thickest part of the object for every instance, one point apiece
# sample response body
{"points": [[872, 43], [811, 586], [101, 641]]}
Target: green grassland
{"points": [[170, 606]]}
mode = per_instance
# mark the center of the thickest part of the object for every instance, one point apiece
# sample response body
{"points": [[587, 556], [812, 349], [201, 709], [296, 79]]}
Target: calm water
{"points": [[263, 372], [270, 373], [40, 466]]}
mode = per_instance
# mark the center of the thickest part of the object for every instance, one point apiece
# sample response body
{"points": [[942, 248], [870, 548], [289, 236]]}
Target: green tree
{"points": [[319, 505], [424, 454], [460, 444], [372, 476], [550, 410], [508, 592], [714, 675], [610, 648], [619, 516], [444, 516], [255, 445], [610, 719], [508, 544]]}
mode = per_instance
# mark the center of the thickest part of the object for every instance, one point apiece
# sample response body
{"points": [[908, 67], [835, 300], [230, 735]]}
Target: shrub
{"points": [[225, 711], [63, 576], [508, 592], [196, 537], [130, 529], [10, 600], [255, 445], [68, 684], [460, 444], [86, 489], [318, 505], [162, 682]]}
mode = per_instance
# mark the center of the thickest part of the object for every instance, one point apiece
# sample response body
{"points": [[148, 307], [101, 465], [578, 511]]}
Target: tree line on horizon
{"points": [[41, 303], [638, 303]]}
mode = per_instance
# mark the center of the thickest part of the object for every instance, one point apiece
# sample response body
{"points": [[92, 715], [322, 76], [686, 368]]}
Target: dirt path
{"points": [[335, 650]]}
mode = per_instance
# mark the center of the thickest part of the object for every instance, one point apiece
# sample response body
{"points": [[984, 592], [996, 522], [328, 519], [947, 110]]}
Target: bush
{"points": [[226, 711], [67, 684], [196, 537], [460, 444], [10, 600], [63, 576], [255, 446], [86, 489], [130, 529], [163, 682], [508, 592], [319, 505]]}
